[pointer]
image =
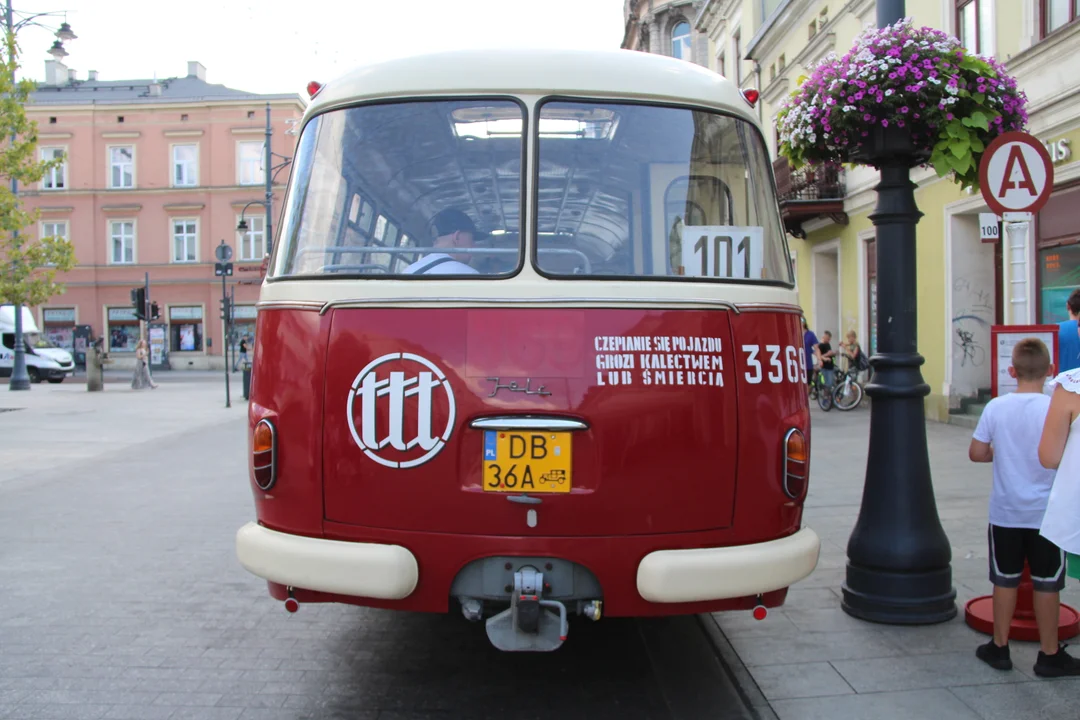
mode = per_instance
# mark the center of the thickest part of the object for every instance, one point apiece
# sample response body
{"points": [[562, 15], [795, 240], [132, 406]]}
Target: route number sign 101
{"points": [[723, 251]]}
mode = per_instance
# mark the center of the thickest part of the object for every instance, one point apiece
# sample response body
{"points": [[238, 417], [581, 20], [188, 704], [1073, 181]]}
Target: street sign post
{"points": [[1016, 174]]}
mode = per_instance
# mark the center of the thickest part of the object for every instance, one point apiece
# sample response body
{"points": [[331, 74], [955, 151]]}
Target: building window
{"points": [[1058, 13], [122, 330], [185, 165], [975, 26], [56, 229], [59, 326], [122, 167], [680, 41], [185, 240], [249, 161], [186, 328], [253, 240], [56, 178], [122, 242]]}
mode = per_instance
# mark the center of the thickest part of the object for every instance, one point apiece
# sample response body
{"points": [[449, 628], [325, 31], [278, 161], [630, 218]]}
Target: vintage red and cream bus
{"points": [[529, 348]]}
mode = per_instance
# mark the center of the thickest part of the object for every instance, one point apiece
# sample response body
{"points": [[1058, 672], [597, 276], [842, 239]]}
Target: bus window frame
{"points": [[647, 197], [522, 214]]}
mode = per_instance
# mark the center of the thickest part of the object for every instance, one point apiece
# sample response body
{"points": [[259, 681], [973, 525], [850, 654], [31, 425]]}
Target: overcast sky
{"points": [[275, 46]]}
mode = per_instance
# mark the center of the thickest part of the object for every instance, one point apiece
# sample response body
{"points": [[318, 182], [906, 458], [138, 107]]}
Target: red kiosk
{"points": [[1016, 176]]}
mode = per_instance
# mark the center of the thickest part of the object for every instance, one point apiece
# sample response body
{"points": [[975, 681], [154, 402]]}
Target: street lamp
{"points": [[271, 173], [20, 380], [898, 569]]}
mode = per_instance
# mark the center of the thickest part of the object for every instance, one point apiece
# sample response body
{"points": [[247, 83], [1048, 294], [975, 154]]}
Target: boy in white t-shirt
{"points": [[1008, 435]]}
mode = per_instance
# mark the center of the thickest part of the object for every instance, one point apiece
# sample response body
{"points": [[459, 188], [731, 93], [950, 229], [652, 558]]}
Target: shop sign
{"points": [[1059, 150], [193, 312], [122, 314], [59, 315], [989, 227], [244, 312]]}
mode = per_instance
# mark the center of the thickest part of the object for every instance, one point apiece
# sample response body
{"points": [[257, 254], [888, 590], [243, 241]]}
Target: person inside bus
{"points": [[1068, 342], [453, 229]]}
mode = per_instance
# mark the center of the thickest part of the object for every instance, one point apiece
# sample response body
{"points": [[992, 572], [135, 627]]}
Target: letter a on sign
{"points": [[1016, 174], [1010, 181]]}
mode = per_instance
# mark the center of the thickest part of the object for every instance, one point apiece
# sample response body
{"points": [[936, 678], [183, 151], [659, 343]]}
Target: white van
{"points": [[44, 360]]}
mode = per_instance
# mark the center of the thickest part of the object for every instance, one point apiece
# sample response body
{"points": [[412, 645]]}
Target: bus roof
{"points": [[622, 74]]}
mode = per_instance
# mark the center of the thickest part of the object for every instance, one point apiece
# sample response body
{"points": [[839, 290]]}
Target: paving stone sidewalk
{"points": [[811, 660], [64, 425]]}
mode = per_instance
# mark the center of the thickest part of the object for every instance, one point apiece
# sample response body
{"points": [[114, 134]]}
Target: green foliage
{"points": [[28, 265]]}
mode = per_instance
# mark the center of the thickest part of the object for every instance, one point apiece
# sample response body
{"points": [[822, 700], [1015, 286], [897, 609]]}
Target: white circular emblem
{"points": [[405, 400]]}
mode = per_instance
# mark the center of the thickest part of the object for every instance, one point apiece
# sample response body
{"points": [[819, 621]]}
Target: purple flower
{"points": [[867, 118], [904, 109], [900, 123], [949, 116], [884, 123]]}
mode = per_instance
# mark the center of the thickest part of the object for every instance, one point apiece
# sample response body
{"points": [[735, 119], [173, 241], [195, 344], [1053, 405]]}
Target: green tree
{"points": [[28, 264]]}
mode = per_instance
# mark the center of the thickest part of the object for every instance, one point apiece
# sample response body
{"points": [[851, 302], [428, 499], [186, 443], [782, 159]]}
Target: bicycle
{"points": [[819, 391], [848, 393]]}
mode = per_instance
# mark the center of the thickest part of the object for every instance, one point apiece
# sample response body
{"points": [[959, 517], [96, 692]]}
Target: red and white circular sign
{"points": [[1016, 174]]}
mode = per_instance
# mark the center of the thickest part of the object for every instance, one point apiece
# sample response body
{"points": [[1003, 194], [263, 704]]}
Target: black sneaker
{"points": [[1060, 664], [995, 656]]}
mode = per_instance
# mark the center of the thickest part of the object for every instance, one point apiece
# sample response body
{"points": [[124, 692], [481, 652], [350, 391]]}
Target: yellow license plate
{"points": [[537, 462]]}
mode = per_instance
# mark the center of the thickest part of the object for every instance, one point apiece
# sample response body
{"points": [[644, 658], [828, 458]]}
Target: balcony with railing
{"points": [[809, 193]]}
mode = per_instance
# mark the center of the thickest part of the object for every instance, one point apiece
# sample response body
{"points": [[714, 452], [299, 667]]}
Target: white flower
{"points": [[888, 92]]}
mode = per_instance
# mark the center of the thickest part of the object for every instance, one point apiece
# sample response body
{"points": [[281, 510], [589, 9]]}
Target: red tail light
{"points": [[264, 454], [313, 88], [796, 463], [751, 96]]}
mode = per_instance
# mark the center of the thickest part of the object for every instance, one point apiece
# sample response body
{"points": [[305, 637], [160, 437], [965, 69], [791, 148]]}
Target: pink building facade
{"points": [[157, 174]]}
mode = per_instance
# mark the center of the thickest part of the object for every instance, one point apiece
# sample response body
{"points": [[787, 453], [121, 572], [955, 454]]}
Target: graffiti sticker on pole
{"points": [[1016, 174]]}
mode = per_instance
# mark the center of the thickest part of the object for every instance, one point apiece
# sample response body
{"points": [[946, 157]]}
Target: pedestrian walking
{"points": [[1068, 341], [142, 379], [1008, 435], [243, 357], [1059, 448]]}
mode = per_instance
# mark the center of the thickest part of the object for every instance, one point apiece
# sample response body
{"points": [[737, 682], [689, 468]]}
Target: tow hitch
{"points": [[526, 626]]}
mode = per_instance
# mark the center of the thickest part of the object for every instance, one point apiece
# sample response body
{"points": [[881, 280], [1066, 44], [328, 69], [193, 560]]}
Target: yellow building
{"points": [[964, 284]]}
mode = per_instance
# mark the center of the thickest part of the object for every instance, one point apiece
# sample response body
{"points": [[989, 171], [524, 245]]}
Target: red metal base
{"points": [[979, 615]]}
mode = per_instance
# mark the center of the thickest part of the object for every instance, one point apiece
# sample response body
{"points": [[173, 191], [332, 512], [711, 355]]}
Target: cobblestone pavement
{"points": [[122, 598]]}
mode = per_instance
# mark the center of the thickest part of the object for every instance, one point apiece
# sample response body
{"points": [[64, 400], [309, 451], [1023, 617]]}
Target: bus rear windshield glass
{"points": [[654, 192], [409, 189]]}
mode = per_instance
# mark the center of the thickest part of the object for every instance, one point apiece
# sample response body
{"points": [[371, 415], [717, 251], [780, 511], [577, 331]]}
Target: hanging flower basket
{"points": [[901, 87]]}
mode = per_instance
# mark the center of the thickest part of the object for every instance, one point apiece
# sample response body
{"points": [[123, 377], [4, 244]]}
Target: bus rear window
{"points": [[650, 192], [406, 189]]}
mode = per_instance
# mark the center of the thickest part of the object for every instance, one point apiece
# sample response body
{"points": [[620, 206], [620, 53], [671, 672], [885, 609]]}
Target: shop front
{"points": [[1058, 247], [58, 326], [186, 328], [243, 328], [121, 330]]}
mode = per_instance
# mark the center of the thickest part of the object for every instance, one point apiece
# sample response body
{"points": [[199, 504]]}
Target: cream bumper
{"points": [[386, 572], [671, 576]]}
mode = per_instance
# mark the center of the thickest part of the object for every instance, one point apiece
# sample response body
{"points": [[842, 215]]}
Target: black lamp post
{"points": [[271, 172], [899, 557]]}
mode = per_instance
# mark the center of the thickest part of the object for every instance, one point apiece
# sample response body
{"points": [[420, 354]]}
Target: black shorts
{"points": [[1009, 547]]}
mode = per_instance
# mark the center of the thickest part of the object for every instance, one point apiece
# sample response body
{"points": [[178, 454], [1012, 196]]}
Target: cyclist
{"points": [[826, 353]]}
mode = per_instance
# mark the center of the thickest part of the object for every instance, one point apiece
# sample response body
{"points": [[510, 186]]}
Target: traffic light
{"points": [[226, 308], [154, 312], [138, 301]]}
